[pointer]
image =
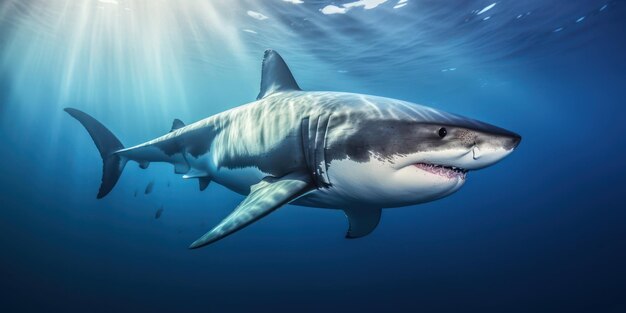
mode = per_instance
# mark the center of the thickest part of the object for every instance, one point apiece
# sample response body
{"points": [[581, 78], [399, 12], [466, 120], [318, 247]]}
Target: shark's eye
{"points": [[442, 132]]}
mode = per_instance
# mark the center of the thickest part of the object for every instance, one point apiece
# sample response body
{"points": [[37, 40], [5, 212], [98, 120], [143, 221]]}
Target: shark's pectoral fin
{"points": [[362, 221], [265, 197]]}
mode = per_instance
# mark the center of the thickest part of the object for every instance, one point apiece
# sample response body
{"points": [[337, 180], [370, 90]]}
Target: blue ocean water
{"points": [[542, 231]]}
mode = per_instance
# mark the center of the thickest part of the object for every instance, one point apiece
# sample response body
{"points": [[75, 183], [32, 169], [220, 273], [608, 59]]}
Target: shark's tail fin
{"points": [[107, 144]]}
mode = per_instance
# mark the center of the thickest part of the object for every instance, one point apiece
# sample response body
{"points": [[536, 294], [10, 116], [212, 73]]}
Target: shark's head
{"points": [[401, 154]]}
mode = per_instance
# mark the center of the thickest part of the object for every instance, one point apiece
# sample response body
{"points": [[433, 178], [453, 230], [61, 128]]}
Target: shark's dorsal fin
{"points": [[265, 197], [362, 221], [176, 124], [275, 75]]}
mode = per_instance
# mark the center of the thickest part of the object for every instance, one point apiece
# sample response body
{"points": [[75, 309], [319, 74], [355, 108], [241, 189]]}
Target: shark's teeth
{"points": [[442, 170]]}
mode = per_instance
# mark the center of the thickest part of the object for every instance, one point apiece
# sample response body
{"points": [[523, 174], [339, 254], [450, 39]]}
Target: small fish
{"points": [[158, 213], [135, 193], [149, 187], [168, 183]]}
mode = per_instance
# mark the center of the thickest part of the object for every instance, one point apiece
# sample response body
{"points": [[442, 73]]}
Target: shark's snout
{"points": [[514, 141], [488, 149], [508, 141], [497, 139]]}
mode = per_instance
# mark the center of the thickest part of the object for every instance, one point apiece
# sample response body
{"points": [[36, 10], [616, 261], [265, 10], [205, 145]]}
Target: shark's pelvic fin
{"points": [[195, 174], [107, 144], [275, 75], [176, 124], [362, 221], [203, 178], [182, 167], [265, 197], [204, 182]]}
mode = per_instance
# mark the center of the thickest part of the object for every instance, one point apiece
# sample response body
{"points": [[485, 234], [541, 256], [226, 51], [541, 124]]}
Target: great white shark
{"points": [[353, 152]]}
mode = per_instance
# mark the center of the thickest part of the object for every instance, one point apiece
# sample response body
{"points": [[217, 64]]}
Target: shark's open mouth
{"points": [[443, 170]]}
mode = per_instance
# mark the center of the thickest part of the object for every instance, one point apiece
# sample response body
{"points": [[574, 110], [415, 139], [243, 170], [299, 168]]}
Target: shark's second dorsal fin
{"points": [[176, 124], [275, 75]]}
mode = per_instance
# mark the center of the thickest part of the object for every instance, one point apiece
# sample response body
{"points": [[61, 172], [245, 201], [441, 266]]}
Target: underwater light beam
{"points": [[139, 50]]}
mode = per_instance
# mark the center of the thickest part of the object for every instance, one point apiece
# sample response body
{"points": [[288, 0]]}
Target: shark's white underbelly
{"points": [[358, 185]]}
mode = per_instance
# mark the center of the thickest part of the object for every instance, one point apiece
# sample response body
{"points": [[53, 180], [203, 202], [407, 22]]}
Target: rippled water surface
{"points": [[544, 230]]}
